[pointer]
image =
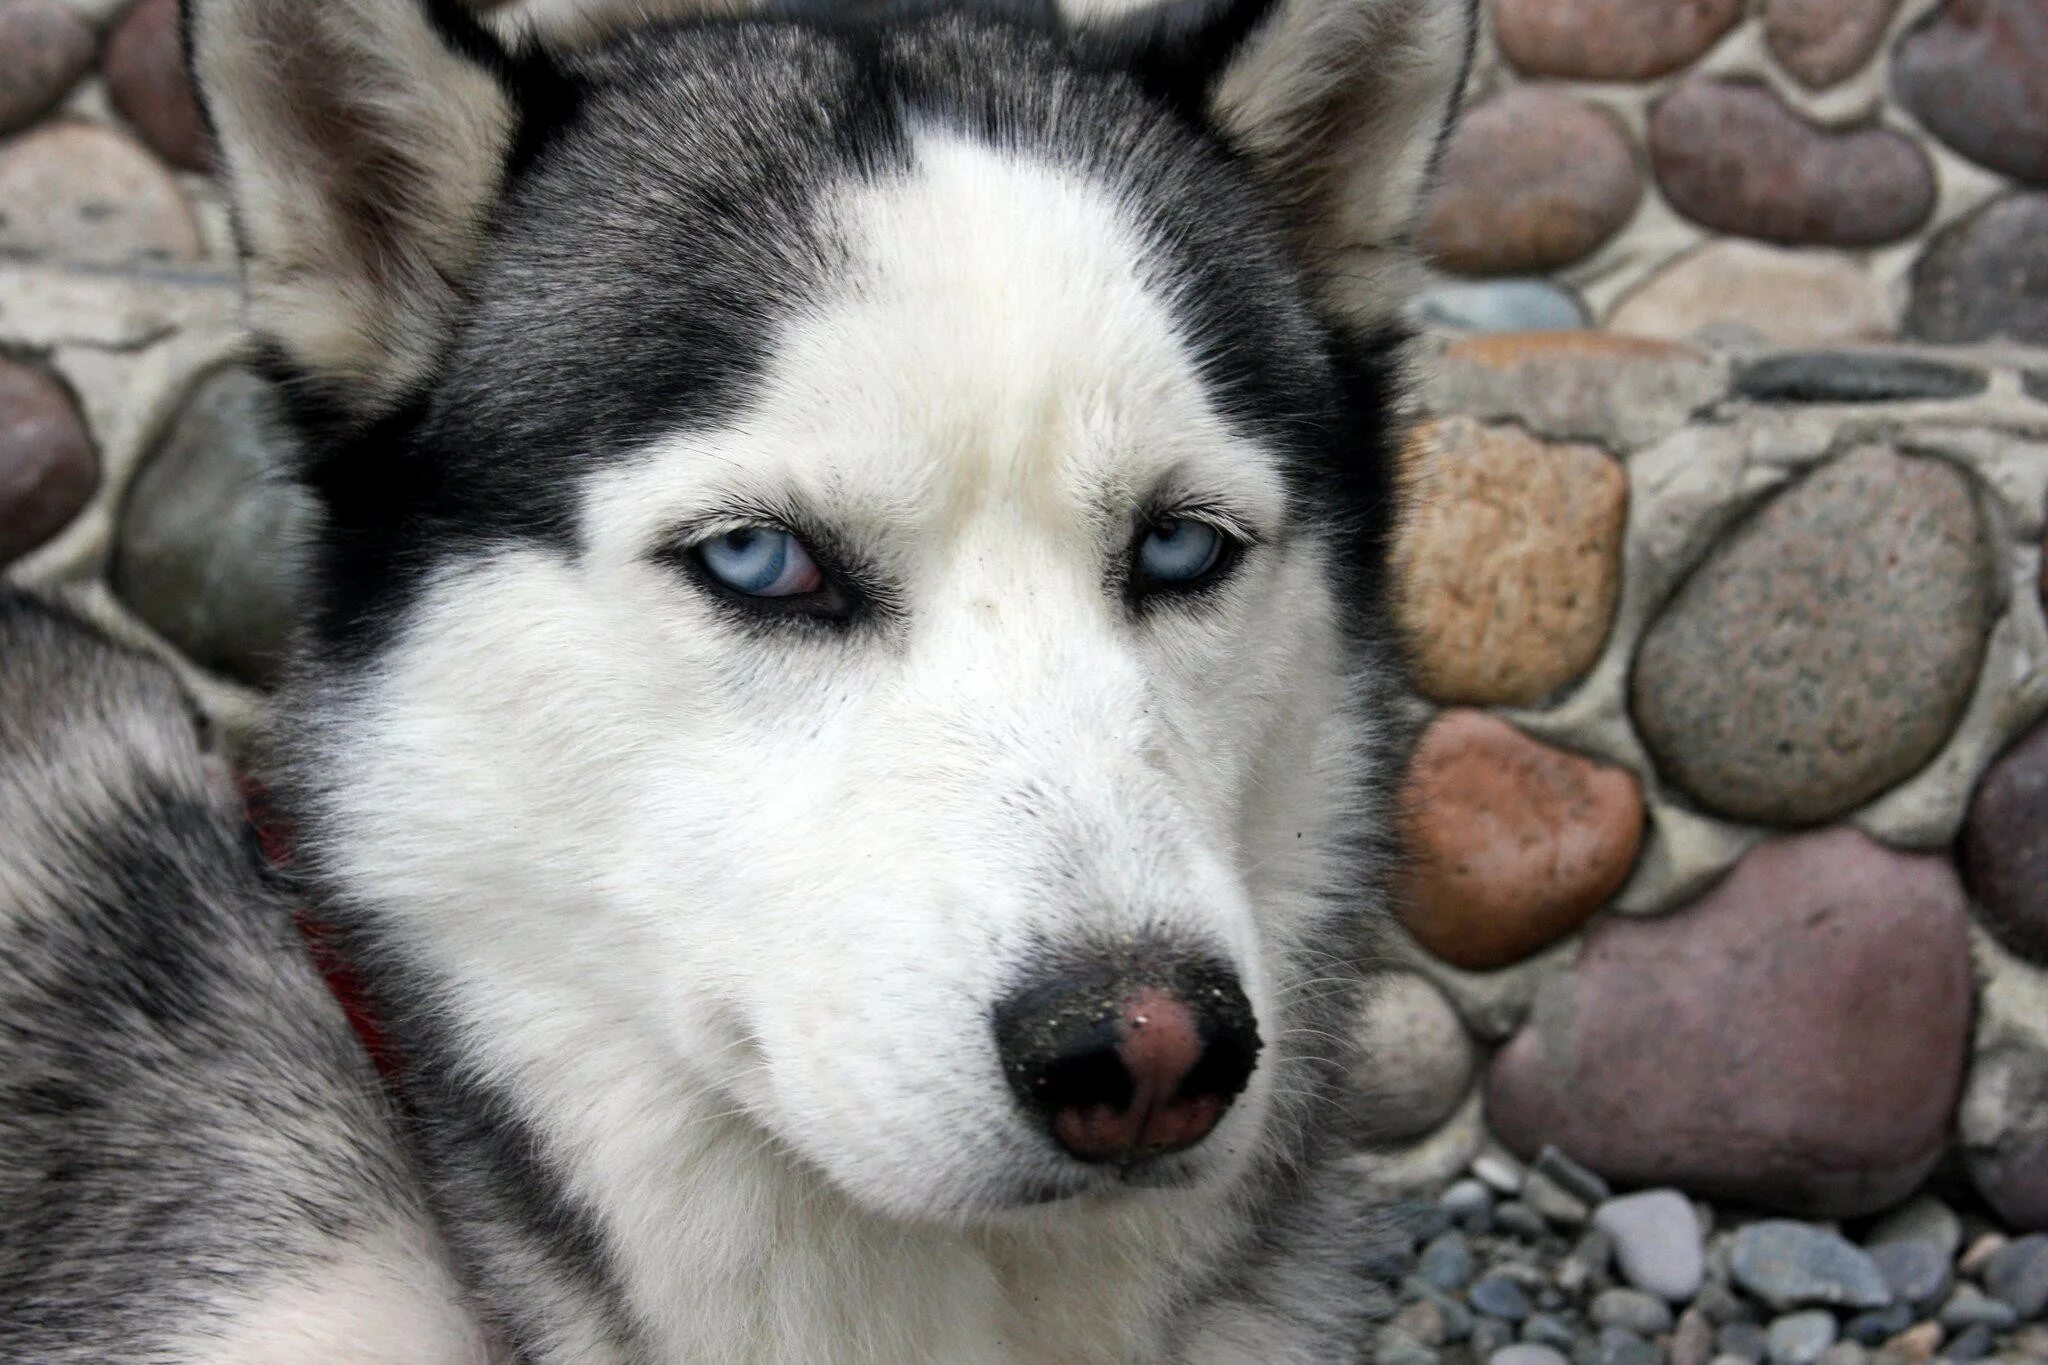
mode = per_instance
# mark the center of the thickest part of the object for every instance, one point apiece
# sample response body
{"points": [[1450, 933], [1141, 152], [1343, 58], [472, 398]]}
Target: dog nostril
{"points": [[1121, 1070]]}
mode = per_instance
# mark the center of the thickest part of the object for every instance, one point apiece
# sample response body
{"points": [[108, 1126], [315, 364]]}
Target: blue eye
{"points": [[760, 561], [1179, 551]]}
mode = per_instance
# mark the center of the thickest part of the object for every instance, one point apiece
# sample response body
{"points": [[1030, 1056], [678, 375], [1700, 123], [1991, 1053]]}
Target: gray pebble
{"points": [[1548, 1329], [1510, 305], [1968, 1307], [1799, 1338], [1844, 1353], [1498, 1296], [1925, 1219], [1488, 1336], [1918, 1273], [1657, 1242], [1879, 1325], [1747, 1340], [1791, 1265], [1586, 1265], [1446, 1263], [1395, 1347], [1570, 1176], [1721, 1304], [1499, 1170], [1644, 1314], [1518, 1219], [2017, 1273], [1556, 1203], [1526, 1354], [1973, 1344], [1618, 1346], [1470, 1204], [1692, 1340]]}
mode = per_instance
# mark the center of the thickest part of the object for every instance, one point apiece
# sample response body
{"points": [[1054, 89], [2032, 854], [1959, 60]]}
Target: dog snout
{"points": [[1122, 1065]]}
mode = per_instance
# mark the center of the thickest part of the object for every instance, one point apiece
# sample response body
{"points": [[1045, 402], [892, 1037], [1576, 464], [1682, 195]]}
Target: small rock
{"points": [[1586, 1265], [1721, 1304], [1798, 672], [43, 51], [1519, 1220], [1985, 277], [1581, 1184], [1528, 1353], [1970, 1307], [1918, 1273], [1530, 180], [1972, 1343], [1547, 1329], [1978, 1254], [1790, 1265], [1918, 1342], [1618, 1346], [1973, 74], [2004, 851], [1395, 1347], [1782, 296], [1921, 1219], [48, 469], [1844, 1353], [1644, 1314], [1879, 1325], [1824, 41], [206, 541], [1799, 1338], [1744, 1340], [1422, 1321], [1609, 40], [1415, 1061], [1470, 1202], [1498, 1296], [1656, 1241], [1446, 1263], [1499, 1170], [147, 80], [1853, 377], [2017, 1274], [1510, 305], [1488, 1336], [1557, 1205], [1734, 158], [1692, 1343], [83, 194]]}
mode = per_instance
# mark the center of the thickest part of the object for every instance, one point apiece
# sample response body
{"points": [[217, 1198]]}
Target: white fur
{"points": [[728, 912]]}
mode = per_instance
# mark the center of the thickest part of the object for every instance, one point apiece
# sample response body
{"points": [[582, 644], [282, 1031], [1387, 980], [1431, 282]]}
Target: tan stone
{"points": [[1783, 297], [1514, 843], [1918, 1342], [1509, 563], [1621, 391], [80, 193]]}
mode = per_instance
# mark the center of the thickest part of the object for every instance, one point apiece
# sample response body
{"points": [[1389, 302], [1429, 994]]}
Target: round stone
{"points": [[1985, 277], [1609, 40], [81, 193], [1530, 180], [206, 546], [1918, 1273], [1975, 72], [1794, 1039], [1527, 1353], [1792, 1265], [43, 50], [1509, 568], [1415, 1060], [2017, 1275], [2005, 848], [1734, 158], [1799, 1338], [1644, 1314], [1779, 296], [1657, 1242], [47, 466], [1519, 305], [147, 80], [1515, 844], [1826, 649], [1920, 1219], [1824, 41]]}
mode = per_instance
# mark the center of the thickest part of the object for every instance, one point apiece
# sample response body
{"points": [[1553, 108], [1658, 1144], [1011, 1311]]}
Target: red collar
{"points": [[274, 835]]}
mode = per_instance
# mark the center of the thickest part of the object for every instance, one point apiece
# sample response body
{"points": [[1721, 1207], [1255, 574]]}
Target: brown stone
{"points": [[1826, 649], [1796, 1039], [1529, 181], [1774, 295], [1515, 844], [1985, 277], [1609, 40], [43, 50], [1976, 73], [1824, 41], [47, 466], [2005, 848], [82, 193], [147, 80], [1510, 564], [1734, 158]]}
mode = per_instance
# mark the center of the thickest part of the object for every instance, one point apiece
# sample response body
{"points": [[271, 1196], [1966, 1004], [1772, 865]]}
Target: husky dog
{"points": [[847, 712], [196, 1160]]}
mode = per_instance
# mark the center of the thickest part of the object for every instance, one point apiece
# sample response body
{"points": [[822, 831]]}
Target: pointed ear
{"points": [[563, 25], [363, 144], [1340, 104]]}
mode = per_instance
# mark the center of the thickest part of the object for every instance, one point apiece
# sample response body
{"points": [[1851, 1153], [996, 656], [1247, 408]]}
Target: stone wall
{"points": [[1789, 171]]}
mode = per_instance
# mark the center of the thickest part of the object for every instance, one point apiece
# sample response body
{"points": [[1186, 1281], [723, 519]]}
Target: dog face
{"points": [[849, 557]]}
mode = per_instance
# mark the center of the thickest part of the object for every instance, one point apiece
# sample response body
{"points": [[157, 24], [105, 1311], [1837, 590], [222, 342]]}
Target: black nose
{"points": [[1123, 1061]]}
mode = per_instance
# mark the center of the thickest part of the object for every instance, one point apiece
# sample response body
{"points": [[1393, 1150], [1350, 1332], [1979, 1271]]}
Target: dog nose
{"points": [[1121, 1068]]}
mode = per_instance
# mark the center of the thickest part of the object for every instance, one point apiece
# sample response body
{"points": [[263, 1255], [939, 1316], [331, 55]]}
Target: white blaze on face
{"points": [[798, 868]]}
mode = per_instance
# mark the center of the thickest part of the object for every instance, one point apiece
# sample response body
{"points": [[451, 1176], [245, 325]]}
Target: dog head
{"points": [[848, 576]]}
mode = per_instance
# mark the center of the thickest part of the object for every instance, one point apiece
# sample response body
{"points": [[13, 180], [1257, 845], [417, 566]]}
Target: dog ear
{"points": [[563, 25], [1340, 104], [363, 143]]}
